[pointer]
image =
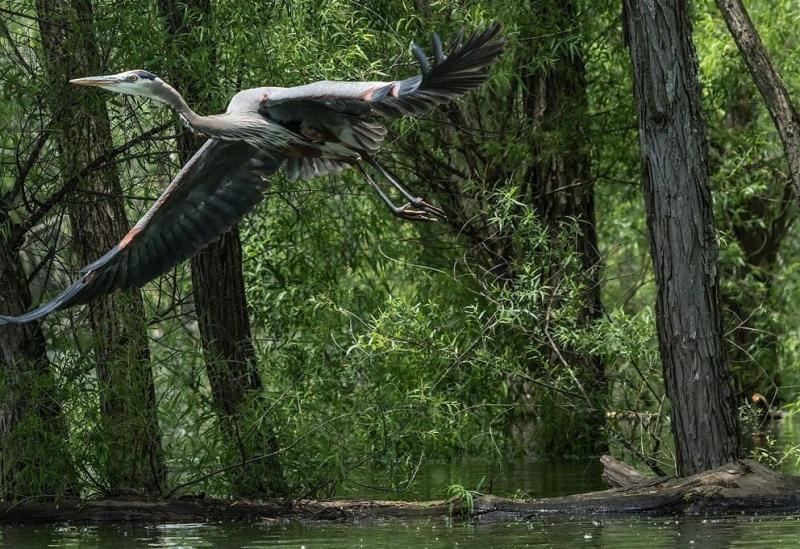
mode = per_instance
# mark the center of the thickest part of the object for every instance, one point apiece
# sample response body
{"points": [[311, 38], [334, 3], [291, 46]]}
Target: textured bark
{"points": [[219, 297], [769, 82], [34, 461], [560, 189], [219, 286], [133, 454], [672, 139]]}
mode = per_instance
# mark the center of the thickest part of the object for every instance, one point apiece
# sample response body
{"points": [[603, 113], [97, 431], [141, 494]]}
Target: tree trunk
{"points": [[35, 461], [219, 297], [560, 189], [673, 146], [133, 455], [768, 80]]}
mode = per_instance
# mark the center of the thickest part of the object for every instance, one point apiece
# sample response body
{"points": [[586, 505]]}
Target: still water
{"points": [[614, 533], [534, 479]]}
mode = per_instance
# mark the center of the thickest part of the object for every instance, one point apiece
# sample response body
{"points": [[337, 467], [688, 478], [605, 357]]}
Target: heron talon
{"points": [[406, 212], [428, 208]]}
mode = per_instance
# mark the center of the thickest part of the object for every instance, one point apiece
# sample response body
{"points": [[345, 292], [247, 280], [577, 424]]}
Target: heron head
{"points": [[136, 82]]}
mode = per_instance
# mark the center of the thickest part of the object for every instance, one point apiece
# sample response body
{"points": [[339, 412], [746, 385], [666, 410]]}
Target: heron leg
{"points": [[415, 201], [403, 212]]}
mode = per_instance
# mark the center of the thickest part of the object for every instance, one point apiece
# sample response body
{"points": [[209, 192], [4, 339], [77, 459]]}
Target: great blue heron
{"points": [[319, 128]]}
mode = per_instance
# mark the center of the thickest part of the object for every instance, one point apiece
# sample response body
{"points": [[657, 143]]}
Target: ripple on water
{"points": [[734, 531]]}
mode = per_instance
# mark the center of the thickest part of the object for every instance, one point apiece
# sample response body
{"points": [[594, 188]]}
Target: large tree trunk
{"points": [[219, 297], [34, 459], [133, 454], [672, 139], [560, 189]]}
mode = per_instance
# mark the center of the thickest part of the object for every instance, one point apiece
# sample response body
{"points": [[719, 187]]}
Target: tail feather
{"points": [[450, 76]]}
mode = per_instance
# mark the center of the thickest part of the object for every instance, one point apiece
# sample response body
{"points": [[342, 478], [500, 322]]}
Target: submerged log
{"points": [[744, 486]]}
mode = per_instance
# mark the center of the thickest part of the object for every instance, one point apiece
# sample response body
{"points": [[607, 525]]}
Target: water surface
{"points": [[612, 533], [521, 477]]}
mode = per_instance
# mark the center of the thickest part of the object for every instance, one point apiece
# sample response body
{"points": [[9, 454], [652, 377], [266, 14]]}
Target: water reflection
{"points": [[523, 478], [612, 533], [536, 479]]}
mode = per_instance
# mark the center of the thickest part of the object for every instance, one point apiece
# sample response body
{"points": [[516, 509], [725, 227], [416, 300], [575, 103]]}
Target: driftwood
{"points": [[621, 475], [742, 486]]}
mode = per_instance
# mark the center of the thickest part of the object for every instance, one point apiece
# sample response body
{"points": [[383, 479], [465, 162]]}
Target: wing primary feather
{"points": [[59, 301], [102, 283], [122, 274], [438, 52], [219, 181], [421, 59], [178, 244], [133, 266], [158, 257]]}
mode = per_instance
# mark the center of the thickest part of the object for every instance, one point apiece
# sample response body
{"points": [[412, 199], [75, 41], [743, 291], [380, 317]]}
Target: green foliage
{"points": [[37, 461], [382, 344], [457, 494]]}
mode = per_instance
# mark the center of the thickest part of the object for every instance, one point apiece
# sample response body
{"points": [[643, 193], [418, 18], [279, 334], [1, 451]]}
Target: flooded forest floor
{"points": [[741, 487]]}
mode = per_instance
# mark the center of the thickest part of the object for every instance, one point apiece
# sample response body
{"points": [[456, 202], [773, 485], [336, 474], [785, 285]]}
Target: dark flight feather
{"points": [[229, 175], [348, 111]]}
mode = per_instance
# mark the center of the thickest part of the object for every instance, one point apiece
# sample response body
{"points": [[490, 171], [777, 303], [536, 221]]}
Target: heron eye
{"points": [[133, 78]]}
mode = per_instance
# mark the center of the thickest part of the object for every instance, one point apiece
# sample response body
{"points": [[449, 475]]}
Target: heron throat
{"points": [[193, 121]]}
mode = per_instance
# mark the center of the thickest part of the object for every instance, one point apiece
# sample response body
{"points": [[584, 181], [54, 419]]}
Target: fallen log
{"points": [[744, 486], [618, 474]]}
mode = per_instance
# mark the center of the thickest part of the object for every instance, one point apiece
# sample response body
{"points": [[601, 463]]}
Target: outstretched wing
{"points": [[346, 112], [219, 185]]}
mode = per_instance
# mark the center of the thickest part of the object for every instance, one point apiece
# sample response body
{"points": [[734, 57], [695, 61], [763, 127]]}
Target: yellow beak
{"points": [[96, 80]]}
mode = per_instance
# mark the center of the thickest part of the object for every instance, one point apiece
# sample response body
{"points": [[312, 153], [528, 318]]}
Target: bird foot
{"points": [[421, 204], [408, 212]]}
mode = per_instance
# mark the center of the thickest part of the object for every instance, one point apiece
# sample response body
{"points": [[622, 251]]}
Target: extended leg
{"points": [[414, 201], [404, 212]]}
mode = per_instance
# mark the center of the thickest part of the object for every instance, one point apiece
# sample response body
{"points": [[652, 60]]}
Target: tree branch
{"points": [[72, 183], [768, 80]]}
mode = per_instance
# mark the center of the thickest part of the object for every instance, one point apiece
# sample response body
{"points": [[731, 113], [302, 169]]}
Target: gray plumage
{"points": [[310, 130]]}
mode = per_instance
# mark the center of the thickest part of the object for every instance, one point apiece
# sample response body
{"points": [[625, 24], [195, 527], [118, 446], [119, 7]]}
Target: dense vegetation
{"points": [[522, 325]]}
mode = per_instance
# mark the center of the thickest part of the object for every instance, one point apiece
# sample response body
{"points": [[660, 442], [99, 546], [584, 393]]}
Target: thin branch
{"points": [[5, 33], [72, 183]]}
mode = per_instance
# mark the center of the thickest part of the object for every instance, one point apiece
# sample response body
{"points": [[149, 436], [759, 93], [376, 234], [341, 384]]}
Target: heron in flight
{"points": [[309, 130]]}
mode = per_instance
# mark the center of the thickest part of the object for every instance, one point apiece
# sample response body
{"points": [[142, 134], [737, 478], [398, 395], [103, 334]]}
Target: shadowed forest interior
{"points": [[324, 345]]}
